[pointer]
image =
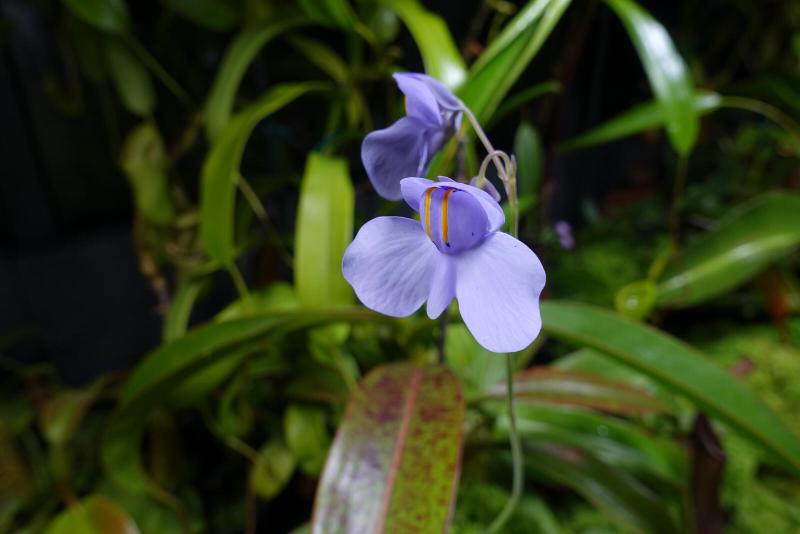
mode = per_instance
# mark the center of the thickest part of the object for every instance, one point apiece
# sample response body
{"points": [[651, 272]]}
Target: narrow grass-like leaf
{"points": [[214, 15], [334, 13], [555, 386], [669, 76], [436, 46], [504, 60], [131, 80], [676, 365], [618, 495], [238, 56], [395, 461], [636, 120], [324, 229], [221, 170], [615, 441], [106, 15], [530, 160], [180, 308], [746, 241]]}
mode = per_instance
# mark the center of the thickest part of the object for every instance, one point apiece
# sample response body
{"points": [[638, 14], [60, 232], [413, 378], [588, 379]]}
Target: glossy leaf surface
{"points": [[744, 243], [504, 60], [221, 170], [439, 52], [678, 366], [637, 120], [324, 229], [669, 76], [394, 463]]}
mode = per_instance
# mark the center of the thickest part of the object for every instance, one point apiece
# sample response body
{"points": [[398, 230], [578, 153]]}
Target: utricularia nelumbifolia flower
{"points": [[395, 264], [406, 148], [456, 249]]}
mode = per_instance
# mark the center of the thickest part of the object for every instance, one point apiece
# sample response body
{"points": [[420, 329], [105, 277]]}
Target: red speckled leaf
{"points": [[394, 464]]}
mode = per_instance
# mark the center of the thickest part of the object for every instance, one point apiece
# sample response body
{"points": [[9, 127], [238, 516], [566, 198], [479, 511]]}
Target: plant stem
{"points": [[238, 281], [486, 143], [762, 108], [516, 453]]}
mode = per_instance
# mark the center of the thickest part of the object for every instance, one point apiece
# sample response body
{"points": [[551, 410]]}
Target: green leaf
{"points": [[504, 60], [747, 240], [333, 13], [669, 76], [214, 15], [396, 456], [476, 368], [131, 80], [530, 160], [272, 470], [514, 101], [439, 52], [555, 386], [62, 414], [106, 15], [238, 56], [638, 119], [158, 375], [94, 515], [278, 296], [304, 428], [324, 229], [618, 495], [180, 308], [676, 365], [323, 57], [221, 169], [609, 439], [145, 163]]}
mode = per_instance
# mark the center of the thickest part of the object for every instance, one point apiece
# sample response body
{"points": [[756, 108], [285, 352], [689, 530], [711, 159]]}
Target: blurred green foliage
{"points": [[679, 299]]}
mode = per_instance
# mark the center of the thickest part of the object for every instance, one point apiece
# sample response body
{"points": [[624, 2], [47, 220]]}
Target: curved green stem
{"points": [[518, 482], [762, 108]]}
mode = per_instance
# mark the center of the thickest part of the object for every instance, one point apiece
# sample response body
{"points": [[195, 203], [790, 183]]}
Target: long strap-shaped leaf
{"points": [[436, 46], [238, 56], [505, 59], [221, 169], [678, 366], [394, 464], [750, 238], [668, 74]]}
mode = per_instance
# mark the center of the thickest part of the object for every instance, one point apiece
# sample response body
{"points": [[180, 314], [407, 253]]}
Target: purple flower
{"points": [[395, 264], [564, 232], [406, 147]]}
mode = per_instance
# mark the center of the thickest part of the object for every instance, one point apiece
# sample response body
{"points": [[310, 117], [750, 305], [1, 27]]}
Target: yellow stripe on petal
{"points": [[428, 193]]}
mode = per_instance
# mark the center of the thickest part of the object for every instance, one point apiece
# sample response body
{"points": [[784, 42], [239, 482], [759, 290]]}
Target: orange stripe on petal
{"points": [[444, 214]]}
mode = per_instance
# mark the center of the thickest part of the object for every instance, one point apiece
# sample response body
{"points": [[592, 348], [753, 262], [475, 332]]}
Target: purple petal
{"points": [[443, 287], [444, 96], [413, 188], [453, 219], [420, 100], [394, 153], [497, 287], [390, 264]]}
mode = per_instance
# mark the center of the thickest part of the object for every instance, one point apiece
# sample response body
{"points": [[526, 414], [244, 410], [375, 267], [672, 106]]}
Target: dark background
{"points": [[70, 288]]}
